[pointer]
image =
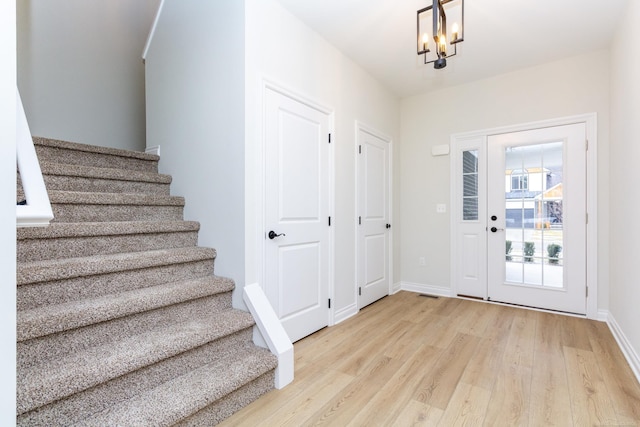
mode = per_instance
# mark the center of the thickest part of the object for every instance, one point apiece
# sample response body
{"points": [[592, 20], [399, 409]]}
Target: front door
{"points": [[374, 227], [536, 218], [297, 213]]}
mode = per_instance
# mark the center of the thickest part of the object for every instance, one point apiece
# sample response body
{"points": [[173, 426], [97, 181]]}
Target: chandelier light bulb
{"points": [[454, 31], [425, 41]]}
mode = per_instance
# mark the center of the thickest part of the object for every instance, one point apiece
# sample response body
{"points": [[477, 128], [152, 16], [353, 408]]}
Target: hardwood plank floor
{"points": [[409, 360]]}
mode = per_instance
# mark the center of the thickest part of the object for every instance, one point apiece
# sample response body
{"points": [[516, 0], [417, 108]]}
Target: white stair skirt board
{"points": [[625, 346], [272, 331]]}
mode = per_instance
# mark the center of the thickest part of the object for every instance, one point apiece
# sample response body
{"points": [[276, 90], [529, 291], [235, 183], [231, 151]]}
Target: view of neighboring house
{"points": [[534, 198]]}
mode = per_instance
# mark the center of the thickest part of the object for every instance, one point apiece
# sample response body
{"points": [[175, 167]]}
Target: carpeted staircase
{"points": [[121, 321]]}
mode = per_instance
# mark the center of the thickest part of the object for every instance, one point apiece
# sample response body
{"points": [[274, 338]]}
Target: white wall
{"points": [[569, 87], [195, 112], [283, 50], [7, 213], [80, 71], [625, 152]]}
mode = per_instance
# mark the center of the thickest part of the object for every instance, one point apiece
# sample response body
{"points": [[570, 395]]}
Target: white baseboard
{"points": [[153, 150], [625, 346], [603, 315], [440, 291], [395, 288], [345, 313]]}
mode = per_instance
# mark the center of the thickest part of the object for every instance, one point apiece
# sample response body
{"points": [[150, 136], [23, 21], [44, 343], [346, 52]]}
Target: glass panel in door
{"points": [[533, 215]]}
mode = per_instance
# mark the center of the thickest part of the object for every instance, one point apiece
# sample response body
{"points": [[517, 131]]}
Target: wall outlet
{"points": [[441, 208], [422, 261]]}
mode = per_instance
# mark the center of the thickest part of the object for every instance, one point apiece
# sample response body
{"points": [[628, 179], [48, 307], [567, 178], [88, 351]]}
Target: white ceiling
{"points": [[500, 36]]}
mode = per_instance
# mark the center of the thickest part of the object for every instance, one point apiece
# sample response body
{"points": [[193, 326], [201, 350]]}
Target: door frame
{"points": [[359, 126], [590, 120], [260, 207]]}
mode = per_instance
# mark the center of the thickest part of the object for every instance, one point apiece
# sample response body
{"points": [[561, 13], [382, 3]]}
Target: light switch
{"points": [[441, 208]]}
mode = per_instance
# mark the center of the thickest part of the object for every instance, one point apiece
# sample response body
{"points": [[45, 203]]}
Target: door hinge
{"points": [[329, 138], [359, 290], [359, 220], [329, 221], [329, 302], [586, 144], [587, 217], [359, 149], [587, 291]]}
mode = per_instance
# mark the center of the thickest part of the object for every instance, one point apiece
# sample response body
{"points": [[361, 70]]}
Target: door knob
{"points": [[494, 229], [272, 234]]}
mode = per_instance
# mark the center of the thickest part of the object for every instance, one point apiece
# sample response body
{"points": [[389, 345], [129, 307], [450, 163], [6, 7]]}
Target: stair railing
{"points": [[36, 212], [152, 32]]}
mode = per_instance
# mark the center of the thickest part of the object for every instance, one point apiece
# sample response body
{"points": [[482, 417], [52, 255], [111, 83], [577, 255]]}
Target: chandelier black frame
{"points": [[439, 32]]}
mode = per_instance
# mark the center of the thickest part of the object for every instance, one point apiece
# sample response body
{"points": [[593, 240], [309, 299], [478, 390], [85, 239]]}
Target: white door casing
{"points": [[297, 208], [374, 211], [465, 270]]}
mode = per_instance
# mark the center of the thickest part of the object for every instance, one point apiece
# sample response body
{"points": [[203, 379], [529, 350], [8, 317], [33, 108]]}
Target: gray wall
{"points": [[80, 71], [624, 201], [195, 113]]}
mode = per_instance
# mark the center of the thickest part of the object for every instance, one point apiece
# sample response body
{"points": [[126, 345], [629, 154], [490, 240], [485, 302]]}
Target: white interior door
{"points": [[374, 227], [537, 218], [297, 213]]}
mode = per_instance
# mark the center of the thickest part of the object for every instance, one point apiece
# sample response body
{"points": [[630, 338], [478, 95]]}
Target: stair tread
{"points": [[57, 378], [56, 143], [50, 319], [89, 198], [187, 394], [92, 229], [65, 169], [57, 269]]}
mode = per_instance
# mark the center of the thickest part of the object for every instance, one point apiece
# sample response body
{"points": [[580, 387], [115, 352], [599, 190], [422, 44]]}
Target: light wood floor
{"points": [[410, 360]]}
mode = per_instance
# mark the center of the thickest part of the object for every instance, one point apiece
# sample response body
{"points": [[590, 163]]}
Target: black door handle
{"points": [[494, 229], [388, 225], [272, 234]]}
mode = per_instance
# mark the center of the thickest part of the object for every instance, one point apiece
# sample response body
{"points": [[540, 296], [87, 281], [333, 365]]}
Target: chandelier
{"points": [[434, 36]]}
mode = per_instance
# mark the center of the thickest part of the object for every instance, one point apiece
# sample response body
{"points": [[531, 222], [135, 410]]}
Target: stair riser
{"points": [[78, 288], [42, 249], [231, 403], [97, 185], [99, 213], [57, 345], [76, 157], [85, 403]]}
